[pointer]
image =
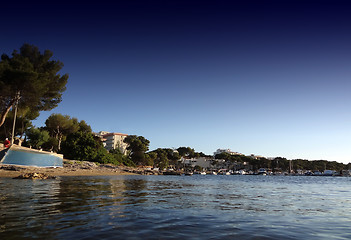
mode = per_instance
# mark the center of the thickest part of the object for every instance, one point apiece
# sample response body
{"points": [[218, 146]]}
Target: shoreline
{"points": [[70, 168]]}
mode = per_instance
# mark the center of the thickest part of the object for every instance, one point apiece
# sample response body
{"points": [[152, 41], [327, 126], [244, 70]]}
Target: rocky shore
{"points": [[71, 168]]}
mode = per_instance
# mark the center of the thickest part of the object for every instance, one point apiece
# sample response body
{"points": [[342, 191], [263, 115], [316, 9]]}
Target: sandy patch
{"points": [[70, 168]]}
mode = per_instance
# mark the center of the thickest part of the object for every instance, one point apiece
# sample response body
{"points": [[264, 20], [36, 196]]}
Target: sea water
{"points": [[176, 207]]}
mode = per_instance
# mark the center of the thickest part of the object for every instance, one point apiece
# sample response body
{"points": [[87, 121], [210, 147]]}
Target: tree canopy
{"points": [[82, 146], [60, 126], [163, 157], [37, 137], [23, 123], [32, 79], [186, 151], [137, 145]]}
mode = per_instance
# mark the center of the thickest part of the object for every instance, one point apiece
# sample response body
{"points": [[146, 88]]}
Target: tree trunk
{"points": [[59, 143], [6, 111], [58, 137]]}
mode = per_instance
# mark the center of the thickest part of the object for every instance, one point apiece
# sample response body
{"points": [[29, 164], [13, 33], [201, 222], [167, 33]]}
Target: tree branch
{"points": [[6, 111]]}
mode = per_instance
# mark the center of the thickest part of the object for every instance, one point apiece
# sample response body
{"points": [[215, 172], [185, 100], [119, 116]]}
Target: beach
{"points": [[70, 168]]}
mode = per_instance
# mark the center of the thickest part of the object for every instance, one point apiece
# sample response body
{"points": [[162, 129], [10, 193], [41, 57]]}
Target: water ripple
{"points": [[174, 207]]}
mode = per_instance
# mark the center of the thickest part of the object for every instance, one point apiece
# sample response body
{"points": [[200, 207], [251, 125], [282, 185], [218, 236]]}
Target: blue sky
{"points": [[259, 77]]}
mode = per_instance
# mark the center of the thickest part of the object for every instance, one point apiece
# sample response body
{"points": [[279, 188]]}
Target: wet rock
{"points": [[107, 166], [12, 168], [150, 172], [34, 176], [77, 165]]}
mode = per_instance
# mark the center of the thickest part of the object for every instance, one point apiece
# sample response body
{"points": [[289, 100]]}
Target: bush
{"points": [[81, 146]]}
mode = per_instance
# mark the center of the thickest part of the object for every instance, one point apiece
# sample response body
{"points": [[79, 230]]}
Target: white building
{"points": [[101, 133], [219, 151], [201, 161], [255, 156], [115, 141]]}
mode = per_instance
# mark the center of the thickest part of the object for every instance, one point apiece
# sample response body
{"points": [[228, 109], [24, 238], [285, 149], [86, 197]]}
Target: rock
{"points": [[34, 176], [108, 166], [12, 168]]}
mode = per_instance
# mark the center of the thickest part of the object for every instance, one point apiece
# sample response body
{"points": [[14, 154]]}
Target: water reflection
{"points": [[24, 207], [167, 207]]}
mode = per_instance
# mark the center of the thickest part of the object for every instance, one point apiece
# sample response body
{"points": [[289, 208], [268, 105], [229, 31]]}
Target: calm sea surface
{"points": [[176, 207]]}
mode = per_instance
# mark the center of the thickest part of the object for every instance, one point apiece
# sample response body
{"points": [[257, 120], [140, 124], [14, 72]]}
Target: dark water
{"points": [[175, 207]]}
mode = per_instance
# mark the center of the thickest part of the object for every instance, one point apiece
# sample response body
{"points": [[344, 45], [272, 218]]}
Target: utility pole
{"points": [[14, 118]]}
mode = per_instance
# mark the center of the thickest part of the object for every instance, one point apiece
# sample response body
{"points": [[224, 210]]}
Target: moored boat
{"points": [[262, 171], [23, 156], [328, 173]]}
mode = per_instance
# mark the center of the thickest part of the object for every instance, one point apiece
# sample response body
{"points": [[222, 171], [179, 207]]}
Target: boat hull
{"points": [[30, 157]]}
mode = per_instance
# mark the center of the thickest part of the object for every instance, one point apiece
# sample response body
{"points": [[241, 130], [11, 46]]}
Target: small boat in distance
{"points": [[262, 171], [223, 172], [328, 173]]}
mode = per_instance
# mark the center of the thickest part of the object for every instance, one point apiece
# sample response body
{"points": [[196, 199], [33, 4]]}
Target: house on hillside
{"points": [[115, 141], [202, 162], [219, 151]]}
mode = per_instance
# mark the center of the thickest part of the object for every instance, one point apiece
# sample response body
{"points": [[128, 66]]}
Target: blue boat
{"points": [[22, 156]]}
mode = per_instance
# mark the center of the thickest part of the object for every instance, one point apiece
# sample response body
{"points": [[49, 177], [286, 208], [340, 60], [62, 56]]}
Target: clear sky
{"points": [[261, 77]]}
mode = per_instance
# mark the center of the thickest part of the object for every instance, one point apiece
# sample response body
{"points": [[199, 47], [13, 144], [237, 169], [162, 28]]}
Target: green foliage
{"points": [[201, 154], [137, 145], [282, 164], [234, 158], [51, 145], [162, 160], [160, 157], [223, 155], [23, 123], [163, 157], [84, 127], [172, 155], [82, 146], [37, 137], [102, 156], [128, 162], [150, 158], [335, 165], [59, 126], [186, 152], [32, 78], [118, 158]]}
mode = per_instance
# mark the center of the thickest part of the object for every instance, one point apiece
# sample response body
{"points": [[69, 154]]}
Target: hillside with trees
{"points": [[283, 164]]}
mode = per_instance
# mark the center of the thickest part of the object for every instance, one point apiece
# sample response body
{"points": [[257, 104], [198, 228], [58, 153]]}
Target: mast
{"points": [[14, 118]]}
